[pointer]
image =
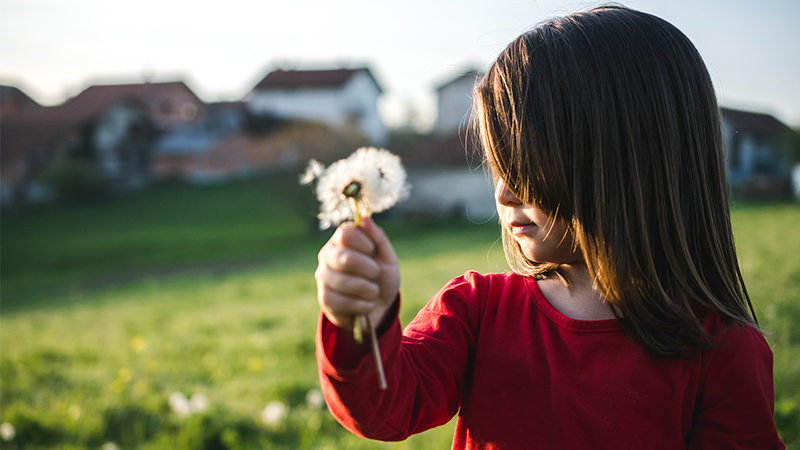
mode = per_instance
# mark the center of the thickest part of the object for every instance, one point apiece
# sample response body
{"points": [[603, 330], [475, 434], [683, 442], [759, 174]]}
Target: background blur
{"points": [[55, 49], [157, 252]]}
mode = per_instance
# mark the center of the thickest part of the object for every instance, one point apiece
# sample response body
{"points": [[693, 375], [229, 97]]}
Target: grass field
{"points": [[110, 308]]}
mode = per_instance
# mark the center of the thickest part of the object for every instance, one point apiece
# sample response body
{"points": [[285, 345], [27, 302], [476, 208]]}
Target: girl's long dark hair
{"points": [[608, 121]]}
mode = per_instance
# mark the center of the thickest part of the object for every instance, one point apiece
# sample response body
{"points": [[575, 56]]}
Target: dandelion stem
{"points": [[358, 333], [376, 354], [359, 321], [356, 212]]}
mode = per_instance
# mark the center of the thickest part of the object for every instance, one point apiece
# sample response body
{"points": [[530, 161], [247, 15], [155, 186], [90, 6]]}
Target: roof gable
{"points": [[13, 99], [471, 75], [310, 79], [31, 129], [745, 121], [100, 97]]}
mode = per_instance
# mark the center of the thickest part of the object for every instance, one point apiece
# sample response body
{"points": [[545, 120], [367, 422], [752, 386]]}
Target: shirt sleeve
{"points": [[736, 405], [425, 368]]}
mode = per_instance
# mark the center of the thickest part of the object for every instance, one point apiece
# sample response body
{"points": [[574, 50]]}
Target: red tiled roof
{"points": [[30, 130], [744, 121], [13, 99], [299, 79], [96, 99]]}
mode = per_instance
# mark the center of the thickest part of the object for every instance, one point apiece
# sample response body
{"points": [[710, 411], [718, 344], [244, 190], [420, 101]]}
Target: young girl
{"points": [[626, 323]]}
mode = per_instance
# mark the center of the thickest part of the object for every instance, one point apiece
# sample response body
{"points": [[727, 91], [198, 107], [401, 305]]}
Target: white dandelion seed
{"points": [[368, 181], [110, 446], [274, 413], [7, 431], [199, 403], [314, 399], [180, 404], [313, 171]]}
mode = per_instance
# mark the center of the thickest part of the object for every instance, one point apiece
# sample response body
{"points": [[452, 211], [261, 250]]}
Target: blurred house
{"points": [[757, 157], [20, 149], [454, 103], [346, 99], [448, 180], [12, 100], [111, 126], [204, 150], [445, 172], [232, 142]]}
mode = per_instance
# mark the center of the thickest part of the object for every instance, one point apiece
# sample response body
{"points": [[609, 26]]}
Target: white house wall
{"points": [[454, 105], [360, 97], [316, 104], [449, 192], [357, 100]]}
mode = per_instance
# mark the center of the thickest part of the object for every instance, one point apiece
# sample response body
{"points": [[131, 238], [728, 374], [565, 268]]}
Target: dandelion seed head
{"points": [[274, 413], [199, 403], [180, 404], [7, 431], [315, 399], [375, 178]]}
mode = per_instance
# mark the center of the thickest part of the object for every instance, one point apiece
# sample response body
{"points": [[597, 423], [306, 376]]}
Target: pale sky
{"points": [[53, 49]]}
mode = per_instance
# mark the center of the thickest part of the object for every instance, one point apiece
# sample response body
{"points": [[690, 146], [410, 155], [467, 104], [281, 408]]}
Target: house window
{"points": [[188, 111]]}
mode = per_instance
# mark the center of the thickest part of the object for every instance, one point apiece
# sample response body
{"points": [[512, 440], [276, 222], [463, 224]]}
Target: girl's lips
{"points": [[519, 228]]}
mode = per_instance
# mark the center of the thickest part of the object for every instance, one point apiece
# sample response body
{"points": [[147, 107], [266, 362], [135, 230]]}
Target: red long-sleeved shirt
{"points": [[522, 375]]}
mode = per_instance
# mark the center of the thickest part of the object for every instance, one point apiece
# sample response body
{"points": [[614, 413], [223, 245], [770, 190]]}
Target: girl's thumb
{"points": [[384, 251]]}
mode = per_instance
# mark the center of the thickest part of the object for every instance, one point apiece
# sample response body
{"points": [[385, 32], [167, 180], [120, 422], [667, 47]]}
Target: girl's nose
{"points": [[503, 196]]}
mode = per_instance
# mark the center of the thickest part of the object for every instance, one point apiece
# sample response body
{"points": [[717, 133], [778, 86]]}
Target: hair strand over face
{"points": [[607, 121]]}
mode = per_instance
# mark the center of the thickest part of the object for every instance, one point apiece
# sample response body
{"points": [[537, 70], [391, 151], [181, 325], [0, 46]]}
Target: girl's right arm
{"points": [[358, 274]]}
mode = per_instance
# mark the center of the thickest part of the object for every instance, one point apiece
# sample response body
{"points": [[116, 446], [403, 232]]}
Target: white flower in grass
{"points": [[274, 414], [180, 404], [368, 181], [7, 431], [199, 403], [110, 446], [314, 399]]}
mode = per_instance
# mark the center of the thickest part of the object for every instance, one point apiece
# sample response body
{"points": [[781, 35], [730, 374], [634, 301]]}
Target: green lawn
{"points": [[109, 308]]}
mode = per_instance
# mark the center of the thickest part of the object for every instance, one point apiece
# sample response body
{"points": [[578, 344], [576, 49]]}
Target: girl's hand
{"points": [[357, 274]]}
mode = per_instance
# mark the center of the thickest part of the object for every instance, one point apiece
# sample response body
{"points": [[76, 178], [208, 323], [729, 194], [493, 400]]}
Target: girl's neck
{"points": [[580, 300]]}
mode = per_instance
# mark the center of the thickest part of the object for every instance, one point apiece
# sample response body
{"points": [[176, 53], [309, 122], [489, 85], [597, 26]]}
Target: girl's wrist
{"points": [[383, 316]]}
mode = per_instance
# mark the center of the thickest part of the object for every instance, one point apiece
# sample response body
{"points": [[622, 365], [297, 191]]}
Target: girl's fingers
{"points": [[350, 261], [354, 286], [357, 274], [382, 247], [340, 308], [348, 235]]}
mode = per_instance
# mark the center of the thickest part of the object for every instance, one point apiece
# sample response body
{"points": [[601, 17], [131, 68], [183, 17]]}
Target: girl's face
{"points": [[540, 239]]}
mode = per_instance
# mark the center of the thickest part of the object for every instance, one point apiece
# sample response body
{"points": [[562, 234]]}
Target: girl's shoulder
{"points": [[490, 284], [733, 337], [477, 278], [474, 289]]}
